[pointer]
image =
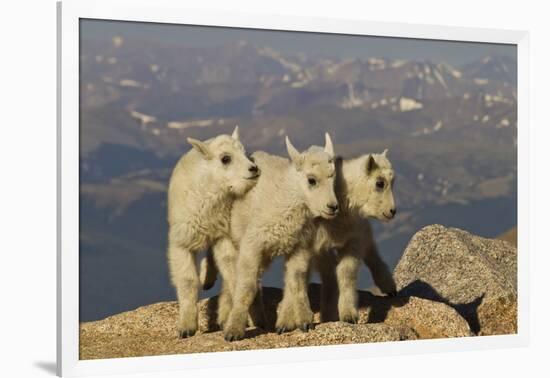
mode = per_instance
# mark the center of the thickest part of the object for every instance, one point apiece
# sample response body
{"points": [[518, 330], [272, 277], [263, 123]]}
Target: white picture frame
{"points": [[171, 11]]}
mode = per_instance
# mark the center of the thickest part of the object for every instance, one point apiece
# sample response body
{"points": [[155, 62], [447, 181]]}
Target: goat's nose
{"points": [[253, 168], [333, 207], [393, 211]]}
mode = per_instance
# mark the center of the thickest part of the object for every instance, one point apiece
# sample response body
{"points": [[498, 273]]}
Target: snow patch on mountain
{"points": [[130, 83], [439, 78], [503, 123], [480, 81], [117, 41], [180, 125], [144, 119], [351, 101], [398, 63], [408, 104], [427, 130]]}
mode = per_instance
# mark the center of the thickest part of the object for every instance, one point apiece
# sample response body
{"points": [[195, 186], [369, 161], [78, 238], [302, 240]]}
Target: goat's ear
{"points": [[385, 153], [329, 148], [235, 134], [371, 164], [295, 156], [200, 147]]}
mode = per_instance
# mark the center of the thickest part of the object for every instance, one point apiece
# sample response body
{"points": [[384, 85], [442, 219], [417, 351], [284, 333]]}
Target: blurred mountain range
{"points": [[451, 133]]}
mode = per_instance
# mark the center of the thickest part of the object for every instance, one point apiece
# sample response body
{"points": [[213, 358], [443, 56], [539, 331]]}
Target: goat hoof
{"points": [[281, 330], [231, 338], [350, 320], [186, 333], [233, 335], [306, 327]]}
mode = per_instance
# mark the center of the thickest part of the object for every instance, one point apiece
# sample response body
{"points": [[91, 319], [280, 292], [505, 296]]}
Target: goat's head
{"points": [[228, 163], [315, 172]]}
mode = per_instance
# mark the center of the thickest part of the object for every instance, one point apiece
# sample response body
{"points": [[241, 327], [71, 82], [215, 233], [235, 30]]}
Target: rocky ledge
{"points": [[450, 284]]}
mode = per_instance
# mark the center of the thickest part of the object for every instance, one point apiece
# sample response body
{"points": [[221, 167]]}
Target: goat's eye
{"points": [[251, 158], [311, 181], [380, 184], [226, 159]]}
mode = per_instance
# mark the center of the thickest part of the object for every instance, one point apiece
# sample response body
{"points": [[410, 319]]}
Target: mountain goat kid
{"points": [[276, 218], [203, 186], [364, 190]]}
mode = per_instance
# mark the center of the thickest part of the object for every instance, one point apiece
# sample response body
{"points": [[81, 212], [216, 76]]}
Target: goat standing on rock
{"points": [[276, 218], [202, 188], [364, 190]]}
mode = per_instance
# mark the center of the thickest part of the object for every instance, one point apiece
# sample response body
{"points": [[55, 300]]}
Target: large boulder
{"points": [[427, 319], [474, 275]]}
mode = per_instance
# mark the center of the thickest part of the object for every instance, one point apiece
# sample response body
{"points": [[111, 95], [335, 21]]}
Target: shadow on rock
{"points": [[379, 305], [424, 290]]}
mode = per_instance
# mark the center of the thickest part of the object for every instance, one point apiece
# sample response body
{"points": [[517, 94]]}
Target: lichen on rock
{"points": [[474, 275]]}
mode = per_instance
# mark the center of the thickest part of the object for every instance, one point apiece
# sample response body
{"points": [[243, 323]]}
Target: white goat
{"points": [[276, 218], [203, 186], [364, 189]]}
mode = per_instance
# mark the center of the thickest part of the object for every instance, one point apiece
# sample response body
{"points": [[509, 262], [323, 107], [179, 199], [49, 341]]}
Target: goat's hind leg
{"points": [[346, 273], [379, 270], [326, 265], [257, 309]]}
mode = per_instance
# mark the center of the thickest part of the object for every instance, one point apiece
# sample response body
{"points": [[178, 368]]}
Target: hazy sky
{"points": [[313, 44]]}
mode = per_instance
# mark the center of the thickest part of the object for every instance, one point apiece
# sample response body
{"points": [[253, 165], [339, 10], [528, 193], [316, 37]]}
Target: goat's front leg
{"points": [[294, 310], [246, 286], [225, 256], [183, 270], [346, 274]]}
